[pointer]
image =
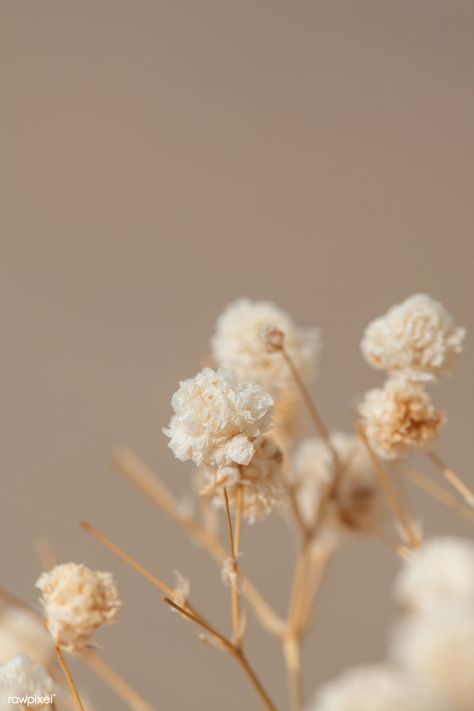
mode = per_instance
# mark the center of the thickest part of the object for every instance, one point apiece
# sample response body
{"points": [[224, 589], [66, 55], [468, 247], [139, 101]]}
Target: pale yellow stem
{"points": [[390, 492], [292, 653], [139, 474], [455, 481], [236, 628], [69, 679], [424, 482], [115, 682]]}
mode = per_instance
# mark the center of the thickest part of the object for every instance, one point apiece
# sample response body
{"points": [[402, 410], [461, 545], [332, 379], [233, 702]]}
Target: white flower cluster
{"points": [[76, 602], [416, 342], [240, 344], [23, 679], [22, 632], [434, 642], [357, 504], [217, 419]]}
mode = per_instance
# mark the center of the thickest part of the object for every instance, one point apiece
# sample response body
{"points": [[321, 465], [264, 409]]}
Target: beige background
{"points": [[158, 160]]}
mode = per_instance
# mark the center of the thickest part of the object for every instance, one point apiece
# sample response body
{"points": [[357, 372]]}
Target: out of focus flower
{"points": [[439, 577], [357, 502], [438, 652], [400, 417], [217, 419], [417, 339], [240, 344], [291, 419], [370, 688], [76, 602], [22, 678], [21, 632], [259, 481]]}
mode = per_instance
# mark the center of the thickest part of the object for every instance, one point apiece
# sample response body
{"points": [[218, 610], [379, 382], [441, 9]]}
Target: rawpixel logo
{"points": [[29, 701]]}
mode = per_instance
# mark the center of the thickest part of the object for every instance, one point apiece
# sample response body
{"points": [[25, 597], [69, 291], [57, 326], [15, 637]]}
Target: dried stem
{"points": [[292, 654], [45, 553], [451, 477], [229, 647], [236, 627], [64, 666], [112, 679], [390, 491], [138, 473], [424, 482]]}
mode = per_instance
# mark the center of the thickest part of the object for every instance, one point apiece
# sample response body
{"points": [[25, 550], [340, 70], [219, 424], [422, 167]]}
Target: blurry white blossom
{"points": [[399, 417], [239, 343], [439, 577], [76, 602], [370, 688], [259, 481], [22, 632], [417, 339], [22, 677], [357, 502], [217, 419]]}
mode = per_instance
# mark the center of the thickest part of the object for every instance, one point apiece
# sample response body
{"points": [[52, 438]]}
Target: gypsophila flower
{"points": [[439, 577], [438, 652], [400, 417], [239, 344], [22, 632], [417, 338], [217, 419], [357, 503], [370, 688], [260, 481], [22, 677], [76, 602]]}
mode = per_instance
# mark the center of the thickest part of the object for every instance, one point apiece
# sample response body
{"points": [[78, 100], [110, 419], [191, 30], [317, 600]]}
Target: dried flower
{"points": [[77, 601], [439, 577], [291, 420], [370, 688], [23, 680], [249, 335], [22, 632], [439, 654], [260, 481], [399, 418], [417, 338], [217, 419], [357, 502]]}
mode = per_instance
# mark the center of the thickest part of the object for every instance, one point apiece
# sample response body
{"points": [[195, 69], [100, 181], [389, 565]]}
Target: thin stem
{"points": [[231, 648], [390, 491], [235, 570], [424, 482], [292, 653], [115, 682], [138, 473], [452, 478], [45, 553], [69, 679]]}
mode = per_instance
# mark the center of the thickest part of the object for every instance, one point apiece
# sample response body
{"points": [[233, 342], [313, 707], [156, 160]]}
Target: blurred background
{"points": [[158, 160]]}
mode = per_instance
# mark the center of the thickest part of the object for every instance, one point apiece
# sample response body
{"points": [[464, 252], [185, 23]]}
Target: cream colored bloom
{"points": [[400, 417], [260, 481], [21, 632], [370, 688], [417, 338], [239, 344], [439, 577], [357, 501], [77, 601], [22, 678], [217, 419], [438, 651]]}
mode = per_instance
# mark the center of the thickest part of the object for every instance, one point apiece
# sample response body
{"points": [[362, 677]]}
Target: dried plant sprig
{"points": [[234, 649], [439, 493], [234, 554], [450, 476], [139, 474], [69, 678]]}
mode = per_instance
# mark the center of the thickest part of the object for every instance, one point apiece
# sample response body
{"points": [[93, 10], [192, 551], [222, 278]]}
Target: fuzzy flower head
{"points": [[369, 688], [22, 677], [439, 578], [77, 601], [259, 481], [357, 503], [400, 417], [22, 632], [243, 342], [217, 419], [417, 339], [438, 652]]}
